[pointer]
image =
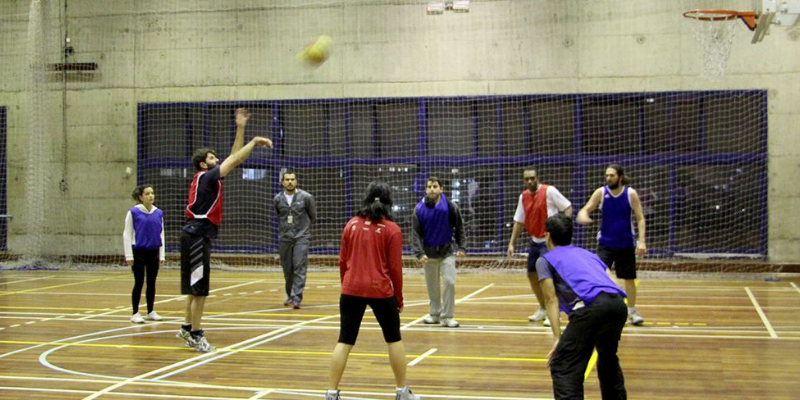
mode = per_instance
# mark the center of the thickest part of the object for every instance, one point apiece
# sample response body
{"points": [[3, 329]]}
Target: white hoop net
{"points": [[716, 38]]}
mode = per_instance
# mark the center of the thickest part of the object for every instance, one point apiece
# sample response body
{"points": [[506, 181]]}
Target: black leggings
{"points": [[144, 259], [351, 311]]}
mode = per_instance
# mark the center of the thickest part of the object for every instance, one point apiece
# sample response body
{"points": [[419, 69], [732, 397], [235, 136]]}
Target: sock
{"points": [[197, 334], [631, 309], [402, 390], [333, 391], [186, 327]]}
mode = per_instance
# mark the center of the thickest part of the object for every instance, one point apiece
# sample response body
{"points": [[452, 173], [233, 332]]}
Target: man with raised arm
{"points": [[203, 218]]}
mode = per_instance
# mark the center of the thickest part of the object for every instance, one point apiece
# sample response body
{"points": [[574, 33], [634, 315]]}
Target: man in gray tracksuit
{"points": [[438, 233], [296, 211]]}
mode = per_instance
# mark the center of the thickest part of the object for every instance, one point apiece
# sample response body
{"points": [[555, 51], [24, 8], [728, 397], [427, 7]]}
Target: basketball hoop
{"points": [[716, 36]]}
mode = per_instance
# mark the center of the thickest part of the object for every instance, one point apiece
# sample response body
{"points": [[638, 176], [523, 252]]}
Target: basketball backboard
{"points": [[774, 12]]}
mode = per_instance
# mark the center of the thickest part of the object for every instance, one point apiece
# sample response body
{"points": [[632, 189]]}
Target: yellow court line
{"points": [[592, 362], [262, 351], [64, 285]]}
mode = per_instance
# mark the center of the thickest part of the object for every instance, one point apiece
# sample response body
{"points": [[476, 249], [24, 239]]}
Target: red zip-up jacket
{"points": [[371, 259]]}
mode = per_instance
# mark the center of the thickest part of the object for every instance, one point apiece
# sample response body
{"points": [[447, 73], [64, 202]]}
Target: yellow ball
{"points": [[316, 52]]}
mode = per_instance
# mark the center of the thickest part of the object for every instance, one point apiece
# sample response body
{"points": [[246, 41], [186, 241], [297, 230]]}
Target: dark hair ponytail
{"points": [[377, 203], [139, 191]]}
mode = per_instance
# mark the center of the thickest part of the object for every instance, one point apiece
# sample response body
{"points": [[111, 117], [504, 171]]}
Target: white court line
{"points": [[260, 394], [795, 287], [172, 298], [28, 280], [123, 394], [220, 355], [467, 297], [422, 357], [761, 313], [191, 361]]}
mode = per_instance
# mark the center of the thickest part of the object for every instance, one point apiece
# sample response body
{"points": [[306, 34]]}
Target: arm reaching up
{"points": [[242, 115], [240, 156]]}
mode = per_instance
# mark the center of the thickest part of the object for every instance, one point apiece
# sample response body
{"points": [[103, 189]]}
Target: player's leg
{"points": [[200, 287], [432, 272], [609, 372], [137, 268], [535, 251], [351, 312], [388, 317], [300, 262], [626, 270], [187, 244], [572, 354], [447, 270], [285, 249], [150, 294]]}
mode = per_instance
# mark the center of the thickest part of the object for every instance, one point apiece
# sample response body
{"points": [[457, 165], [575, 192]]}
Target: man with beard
{"points": [[616, 245], [536, 203], [296, 211], [438, 232], [203, 218]]}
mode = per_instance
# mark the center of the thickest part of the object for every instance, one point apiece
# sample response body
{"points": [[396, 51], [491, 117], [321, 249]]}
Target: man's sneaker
{"points": [[202, 345], [634, 317], [136, 319], [332, 395], [546, 322], [430, 319], [450, 323], [539, 315], [153, 316], [186, 337], [406, 394]]}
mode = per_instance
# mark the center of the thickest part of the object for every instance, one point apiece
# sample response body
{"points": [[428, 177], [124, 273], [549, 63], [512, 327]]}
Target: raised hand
{"points": [[242, 115]]}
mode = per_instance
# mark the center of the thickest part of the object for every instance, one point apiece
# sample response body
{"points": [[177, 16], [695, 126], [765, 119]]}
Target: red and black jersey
{"points": [[205, 197]]}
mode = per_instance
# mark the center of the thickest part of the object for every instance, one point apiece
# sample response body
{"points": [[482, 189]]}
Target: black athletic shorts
{"points": [[195, 264], [622, 261], [351, 311], [535, 251]]}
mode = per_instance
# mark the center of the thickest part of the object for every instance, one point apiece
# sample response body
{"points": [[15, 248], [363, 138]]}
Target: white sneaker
{"points": [[153, 316], [539, 315], [634, 316], [332, 395], [136, 319], [406, 394], [186, 336], [202, 345], [450, 323], [430, 319], [546, 322]]}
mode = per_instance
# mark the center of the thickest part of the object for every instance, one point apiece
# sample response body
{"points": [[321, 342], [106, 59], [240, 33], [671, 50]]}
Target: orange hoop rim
{"points": [[717, 15]]}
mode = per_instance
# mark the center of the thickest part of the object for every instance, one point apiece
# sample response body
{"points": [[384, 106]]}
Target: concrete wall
{"points": [[231, 50]]}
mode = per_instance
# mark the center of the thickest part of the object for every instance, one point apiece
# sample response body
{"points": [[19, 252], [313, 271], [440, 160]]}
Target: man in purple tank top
{"points": [[616, 245]]}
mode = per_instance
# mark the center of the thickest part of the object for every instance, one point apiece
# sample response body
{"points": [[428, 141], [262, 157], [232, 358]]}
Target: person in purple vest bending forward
{"points": [[575, 281], [143, 245], [616, 246]]}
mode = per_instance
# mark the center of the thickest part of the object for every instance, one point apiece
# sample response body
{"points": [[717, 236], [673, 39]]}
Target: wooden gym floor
{"points": [[66, 335]]}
